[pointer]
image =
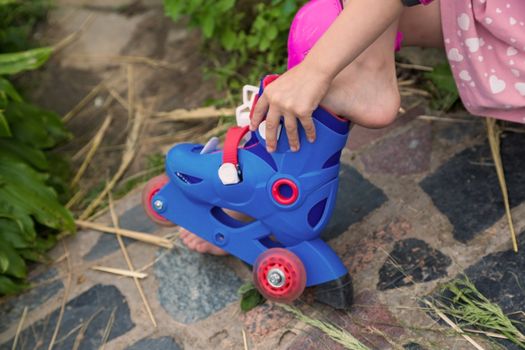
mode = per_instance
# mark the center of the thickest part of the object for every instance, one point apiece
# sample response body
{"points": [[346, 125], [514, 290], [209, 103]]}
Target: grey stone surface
{"points": [[90, 313], [162, 343], [46, 286], [403, 154], [466, 187], [133, 219], [193, 286], [412, 261], [357, 197]]}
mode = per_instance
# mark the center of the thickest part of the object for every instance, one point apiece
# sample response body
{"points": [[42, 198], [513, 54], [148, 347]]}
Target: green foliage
{"points": [[471, 309], [30, 210], [17, 19], [443, 87], [250, 297], [252, 34]]}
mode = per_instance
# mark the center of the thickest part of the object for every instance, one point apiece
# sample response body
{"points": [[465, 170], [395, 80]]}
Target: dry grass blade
{"points": [[124, 250], [494, 132], [139, 236], [107, 330], [453, 325], [82, 331], [73, 36], [19, 328], [245, 341], [444, 119], [83, 102], [121, 272], [64, 299], [127, 157], [415, 67], [126, 59], [334, 332], [97, 140], [193, 114]]}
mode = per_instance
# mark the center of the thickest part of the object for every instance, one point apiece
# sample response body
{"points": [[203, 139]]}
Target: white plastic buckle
{"points": [[229, 174], [242, 113]]}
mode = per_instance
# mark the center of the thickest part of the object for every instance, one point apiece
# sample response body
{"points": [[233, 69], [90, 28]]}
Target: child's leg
{"points": [[366, 91]]}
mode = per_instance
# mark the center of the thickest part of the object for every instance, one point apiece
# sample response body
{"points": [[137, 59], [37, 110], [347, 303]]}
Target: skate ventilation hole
{"points": [[316, 213], [333, 160], [285, 191], [226, 219], [188, 179]]}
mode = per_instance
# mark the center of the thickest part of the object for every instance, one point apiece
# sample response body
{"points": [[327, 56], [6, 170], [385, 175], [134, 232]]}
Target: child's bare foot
{"points": [[366, 91], [194, 242]]}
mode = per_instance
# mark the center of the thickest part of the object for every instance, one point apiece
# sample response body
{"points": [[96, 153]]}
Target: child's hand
{"points": [[294, 95]]}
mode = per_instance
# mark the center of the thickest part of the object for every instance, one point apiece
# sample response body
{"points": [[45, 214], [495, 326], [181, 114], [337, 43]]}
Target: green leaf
{"points": [[25, 189], [5, 131], [172, 8], [7, 89], [442, 78], [228, 39], [12, 63], [34, 126], [16, 266], [18, 151], [208, 24], [8, 286], [251, 299], [4, 262]]}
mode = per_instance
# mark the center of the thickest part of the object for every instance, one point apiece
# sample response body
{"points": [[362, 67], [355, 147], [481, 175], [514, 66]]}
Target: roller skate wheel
{"points": [[279, 275], [153, 186]]}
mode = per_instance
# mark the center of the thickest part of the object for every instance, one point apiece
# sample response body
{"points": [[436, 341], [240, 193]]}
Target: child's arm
{"points": [[297, 93]]}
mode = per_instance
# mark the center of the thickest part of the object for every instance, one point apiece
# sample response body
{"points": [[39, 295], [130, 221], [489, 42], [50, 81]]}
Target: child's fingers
{"points": [[290, 123], [309, 128], [261, 107], [273, 119]]}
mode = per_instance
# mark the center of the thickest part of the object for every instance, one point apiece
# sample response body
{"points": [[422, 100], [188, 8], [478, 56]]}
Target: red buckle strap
{"points": [[229, 171]]}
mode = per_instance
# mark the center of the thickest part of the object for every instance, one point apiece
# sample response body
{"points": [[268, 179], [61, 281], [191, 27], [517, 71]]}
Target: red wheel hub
{"points": [[150, 190], [279, 275]]}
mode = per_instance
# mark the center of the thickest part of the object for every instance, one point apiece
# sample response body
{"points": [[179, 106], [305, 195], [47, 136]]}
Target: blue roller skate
{"points": [[289, 195]]}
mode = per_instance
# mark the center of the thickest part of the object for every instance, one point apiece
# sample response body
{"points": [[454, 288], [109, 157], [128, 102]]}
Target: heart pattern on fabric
{"points": [[465, 75], [464, 21], [496, 85], [454, 55], [511, 51], [473, 44], [521, 88]]}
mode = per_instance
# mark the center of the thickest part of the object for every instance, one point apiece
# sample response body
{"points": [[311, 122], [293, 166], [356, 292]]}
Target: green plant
{"points": [[250, 296], [464, 303], [443, 87], [252, 34], [30, 211]]}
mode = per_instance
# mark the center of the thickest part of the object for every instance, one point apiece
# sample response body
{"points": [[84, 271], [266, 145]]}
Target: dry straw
{"points": [[136, 235], [494, 133], [124, 250]]}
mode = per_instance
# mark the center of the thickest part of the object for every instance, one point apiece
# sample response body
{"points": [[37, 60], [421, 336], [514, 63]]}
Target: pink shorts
{"points": [[485, 43]]}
